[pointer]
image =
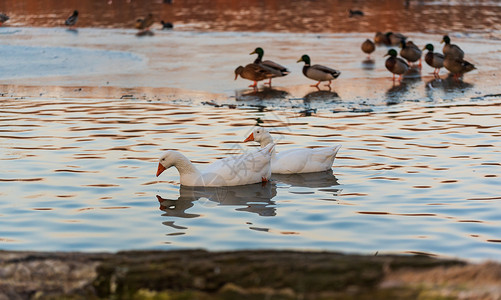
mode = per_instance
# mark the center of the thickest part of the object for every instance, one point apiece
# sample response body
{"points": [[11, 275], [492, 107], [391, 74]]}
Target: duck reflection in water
{"points": [[322, 96], [266, 93], [396, 93], [255, 198], [448, 84], [368, 64], [437, 87]]}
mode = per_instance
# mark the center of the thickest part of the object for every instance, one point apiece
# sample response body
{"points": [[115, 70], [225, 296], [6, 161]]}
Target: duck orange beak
{"points": [[160, 169], [249, 138]]}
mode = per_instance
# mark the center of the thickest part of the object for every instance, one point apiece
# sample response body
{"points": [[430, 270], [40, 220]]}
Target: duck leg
{"points": [[315, 85], [253, 85], [329, 84], [269, 82]]}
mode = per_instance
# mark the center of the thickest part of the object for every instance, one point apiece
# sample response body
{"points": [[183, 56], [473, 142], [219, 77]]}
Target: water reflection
{"points": [[266, 93], [310, 180], [448, 84], [395, 94], [255, 198], [368, 64], [321, 96]]}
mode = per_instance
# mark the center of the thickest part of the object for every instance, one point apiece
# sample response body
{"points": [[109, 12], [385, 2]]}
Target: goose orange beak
{"points": [[249, 138], [160, 169]]}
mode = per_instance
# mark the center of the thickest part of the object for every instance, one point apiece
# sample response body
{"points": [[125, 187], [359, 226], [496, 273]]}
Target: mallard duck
{"points": [[457, 66], [356, 13], [451, 49], [410, 52], [3, 18], [253, 72], [368, 47], [389, 38], [381, 38], [395, 64], [145, 23], [433, 59], [72, 20], [318, 72], [275, 69], [395, 38], [166, 25]]}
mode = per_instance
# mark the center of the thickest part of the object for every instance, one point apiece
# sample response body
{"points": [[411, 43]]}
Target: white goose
{"points": [[248, 168], [293, 161]]}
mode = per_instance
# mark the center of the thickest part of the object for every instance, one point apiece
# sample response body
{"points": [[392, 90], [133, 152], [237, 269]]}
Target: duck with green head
{"points": [[395, 64], [434, 59], [451, 49], [318, 72], [253, 72], [275, 69]]}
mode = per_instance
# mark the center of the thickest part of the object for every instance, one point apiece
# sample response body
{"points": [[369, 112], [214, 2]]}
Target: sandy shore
{"points": [[197, 274]]}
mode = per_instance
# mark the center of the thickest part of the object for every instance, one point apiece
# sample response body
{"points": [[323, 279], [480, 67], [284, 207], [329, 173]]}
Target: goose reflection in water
{"points": [[265, 94], [255, 198], [309, 180]]}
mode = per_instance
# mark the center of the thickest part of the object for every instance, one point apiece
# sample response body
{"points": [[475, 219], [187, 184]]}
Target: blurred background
{"points": [[432, 16]]}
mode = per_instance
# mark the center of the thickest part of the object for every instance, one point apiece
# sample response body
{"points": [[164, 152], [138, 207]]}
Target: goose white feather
{"points": [[293, 161], [248, 168]]}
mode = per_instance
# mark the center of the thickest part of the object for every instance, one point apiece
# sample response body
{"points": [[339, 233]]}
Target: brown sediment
{"points": [[198, 274]]}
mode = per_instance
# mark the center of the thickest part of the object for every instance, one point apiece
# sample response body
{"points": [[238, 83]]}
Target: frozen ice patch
{"points": [[35, 61]]}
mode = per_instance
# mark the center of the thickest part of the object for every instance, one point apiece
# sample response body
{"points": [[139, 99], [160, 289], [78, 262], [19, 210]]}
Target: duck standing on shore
{"points": [[395, 64], [72, 20], [276, 70], [368, 47], [454, 59], [318, 72], [253, 72], [434, 59], [410, 52], [451, 49], [457, 66]]}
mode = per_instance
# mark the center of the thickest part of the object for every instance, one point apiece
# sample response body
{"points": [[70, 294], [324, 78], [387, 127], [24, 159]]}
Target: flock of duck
{"points": [[452, 59], [252, 167], [267, 69]]}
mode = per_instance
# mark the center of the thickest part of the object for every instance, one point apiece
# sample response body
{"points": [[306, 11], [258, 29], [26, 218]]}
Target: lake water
{"points": [[84, 116]]}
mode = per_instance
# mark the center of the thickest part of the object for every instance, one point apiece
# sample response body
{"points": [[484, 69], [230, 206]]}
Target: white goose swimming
{"points": [[293, 161], [248, 168]]}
